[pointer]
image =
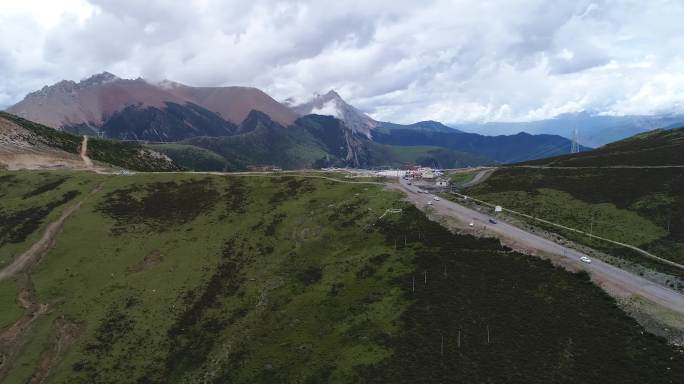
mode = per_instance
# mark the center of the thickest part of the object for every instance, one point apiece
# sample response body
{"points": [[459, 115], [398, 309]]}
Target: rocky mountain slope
{"points": [[331, 104]]}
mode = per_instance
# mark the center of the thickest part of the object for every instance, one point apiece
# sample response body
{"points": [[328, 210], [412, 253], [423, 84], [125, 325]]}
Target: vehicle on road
{"points": [[429, 203], [492, 221], [436, 198], [585, 259], [471, 224], [409, 183]]}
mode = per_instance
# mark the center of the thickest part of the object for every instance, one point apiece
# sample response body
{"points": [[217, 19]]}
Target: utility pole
{"points": [[426, 278], [487, 334], [441, 347], [414, 285], [459, 339]]}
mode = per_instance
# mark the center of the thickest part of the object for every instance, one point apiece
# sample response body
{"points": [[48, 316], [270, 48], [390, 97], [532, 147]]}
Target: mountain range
{"points": [[231, 128]]}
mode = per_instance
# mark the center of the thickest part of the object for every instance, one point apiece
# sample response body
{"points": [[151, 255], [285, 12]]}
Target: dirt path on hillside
{"points": [[65, 334], [14, 337], [46, 241], [84, 152]]}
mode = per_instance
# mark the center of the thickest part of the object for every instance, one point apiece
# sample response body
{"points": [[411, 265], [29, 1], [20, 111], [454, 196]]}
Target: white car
{"points": [[436, 198], [429, 203], [585, 259], [471, 224]]}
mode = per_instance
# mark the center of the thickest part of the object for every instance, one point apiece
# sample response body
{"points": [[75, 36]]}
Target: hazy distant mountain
{"points": [[593, 130], [138, 109], [428, 125], [502, 148], [331, 104]]}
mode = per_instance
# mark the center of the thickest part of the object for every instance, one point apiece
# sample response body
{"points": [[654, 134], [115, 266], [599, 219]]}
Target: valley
{"points": [[235, 192]]}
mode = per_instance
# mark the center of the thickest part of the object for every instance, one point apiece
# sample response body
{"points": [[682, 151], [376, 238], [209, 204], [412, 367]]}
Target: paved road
{"points": [[480, 177], [615, 279]]}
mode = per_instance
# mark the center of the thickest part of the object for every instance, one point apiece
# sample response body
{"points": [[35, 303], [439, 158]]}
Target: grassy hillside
{"points": [[168, 278], [122, 154], [655, 148], [192, 157], [642, 207]]}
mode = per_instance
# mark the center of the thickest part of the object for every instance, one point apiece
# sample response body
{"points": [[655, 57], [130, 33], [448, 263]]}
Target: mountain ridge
{"points": [[92, 101]]}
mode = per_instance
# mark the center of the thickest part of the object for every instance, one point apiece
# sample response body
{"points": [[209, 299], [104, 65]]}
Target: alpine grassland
{"points": [[191, 278]]}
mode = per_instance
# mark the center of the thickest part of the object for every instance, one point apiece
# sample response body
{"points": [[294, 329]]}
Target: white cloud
{"points": [[328, 109], [448, 60]]}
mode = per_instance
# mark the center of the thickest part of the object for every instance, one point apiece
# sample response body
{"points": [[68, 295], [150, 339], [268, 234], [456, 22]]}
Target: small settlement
{"points": [[428, 177]]}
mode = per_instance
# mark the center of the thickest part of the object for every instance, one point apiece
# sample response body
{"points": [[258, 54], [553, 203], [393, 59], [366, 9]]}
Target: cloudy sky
{"points": [[402, 61]]}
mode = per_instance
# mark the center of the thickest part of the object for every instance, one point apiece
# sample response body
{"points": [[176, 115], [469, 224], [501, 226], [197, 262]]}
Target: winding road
{"points": [[611, 278]]}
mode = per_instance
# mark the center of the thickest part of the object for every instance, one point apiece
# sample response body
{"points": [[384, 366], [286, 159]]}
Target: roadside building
{"points": [[442, 183]]}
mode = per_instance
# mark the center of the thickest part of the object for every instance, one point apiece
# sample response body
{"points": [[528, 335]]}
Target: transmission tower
{"points": [[574, 147]]}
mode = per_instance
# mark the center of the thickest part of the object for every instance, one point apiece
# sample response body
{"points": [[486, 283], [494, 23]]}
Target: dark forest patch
{"points": [[48, 186], [290, 187], [158, 206]]}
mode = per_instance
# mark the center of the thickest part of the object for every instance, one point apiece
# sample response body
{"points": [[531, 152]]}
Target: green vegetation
{"points": [[462, 177], [312, 142], [130, 156], [192, 157], [265, 145], [642, 207], [194, 278], [393, 155], [122, 154]]}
